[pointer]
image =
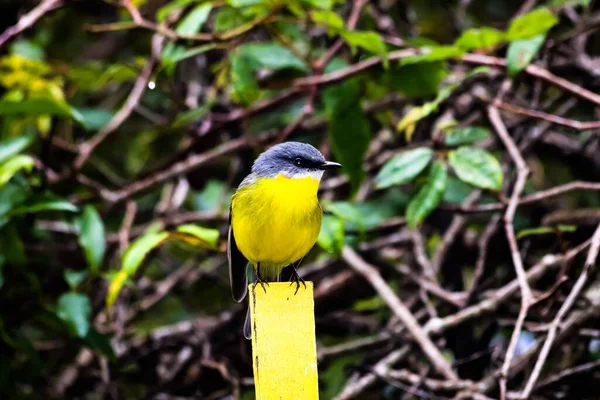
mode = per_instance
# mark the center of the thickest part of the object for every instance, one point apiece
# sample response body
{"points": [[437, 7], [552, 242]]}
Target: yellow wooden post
{"points": [[284, 349]]}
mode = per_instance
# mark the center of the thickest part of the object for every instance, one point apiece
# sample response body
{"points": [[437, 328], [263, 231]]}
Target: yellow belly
{"points": [[276, 221]]}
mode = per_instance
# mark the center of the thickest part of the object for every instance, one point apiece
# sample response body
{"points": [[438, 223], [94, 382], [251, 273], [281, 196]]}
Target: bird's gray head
{"points": [[292, 159]]}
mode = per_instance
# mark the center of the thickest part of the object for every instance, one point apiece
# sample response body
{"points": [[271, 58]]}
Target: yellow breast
{"points": [[276, 221]]}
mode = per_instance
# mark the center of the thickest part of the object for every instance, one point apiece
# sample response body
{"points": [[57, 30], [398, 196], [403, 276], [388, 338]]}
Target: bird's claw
{"points": [[297, 280], [260, 280]]}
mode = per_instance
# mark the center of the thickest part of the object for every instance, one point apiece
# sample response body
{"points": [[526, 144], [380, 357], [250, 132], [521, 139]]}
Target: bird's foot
{"points": [[258, 279], [295, 278]]}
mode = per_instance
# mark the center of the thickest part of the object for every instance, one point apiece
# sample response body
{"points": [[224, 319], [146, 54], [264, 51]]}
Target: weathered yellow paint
{"points": [[284, 349]]}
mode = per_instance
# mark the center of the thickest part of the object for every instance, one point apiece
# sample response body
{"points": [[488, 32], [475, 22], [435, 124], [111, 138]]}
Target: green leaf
{"points": [[403, 167], [91, 237], [477, 167], [14, 165], [416, 80], [350, 134], [563, 3], [227, 18], [74, 278], [175, 5], [330, 19], [544, 230], [181, 53], [41, 107], [2, 261], [322, 4], [115, 286], [371, 304], [100, 342], [272, 56], [11, 196], [28, 49], [482, 38], [244, 3], [520, 53], [131, 260], [467, 135], [12, 247], [435, 53], [13, 146], [135, 253], [369, 40], [75, 310], [96, 118], [43, 202], [243, 83], [331, 236], [408, 123], [349, 129], [429, 196], [456, 191], [191, 116], [347, 212], [531, 24], [205, 236], [194, 20], [211, 197]]}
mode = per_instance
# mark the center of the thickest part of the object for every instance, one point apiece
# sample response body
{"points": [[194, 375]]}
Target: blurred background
{"points": [[469, 135]]}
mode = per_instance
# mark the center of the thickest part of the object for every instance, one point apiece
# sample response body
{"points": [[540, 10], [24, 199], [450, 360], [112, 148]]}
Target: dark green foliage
{"points": [[125, 127]]}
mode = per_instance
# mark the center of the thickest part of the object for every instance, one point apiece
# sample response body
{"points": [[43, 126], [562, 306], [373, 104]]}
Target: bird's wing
{"points": [[237, 267]]}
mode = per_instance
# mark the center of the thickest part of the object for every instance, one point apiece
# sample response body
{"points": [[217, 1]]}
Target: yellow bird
{"points": [[275, 216]]}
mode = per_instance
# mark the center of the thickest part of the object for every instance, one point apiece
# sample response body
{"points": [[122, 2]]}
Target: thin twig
{"points": [[125, 231], [28, 20], [86, 149], [537, 72], [439, 325], [482, 245], [357, 7], [526, 296], [554, 119], [580, 369], [186, 165], [529, 199], [402, 312], [562, 312], [456, 226]]}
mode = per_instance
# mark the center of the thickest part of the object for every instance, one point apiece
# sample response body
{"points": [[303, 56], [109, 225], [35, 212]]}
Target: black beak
{"points": [[330, 165]]}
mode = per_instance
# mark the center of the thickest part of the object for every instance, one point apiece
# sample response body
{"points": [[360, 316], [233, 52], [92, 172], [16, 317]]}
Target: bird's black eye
{"points": [[298, 161]]}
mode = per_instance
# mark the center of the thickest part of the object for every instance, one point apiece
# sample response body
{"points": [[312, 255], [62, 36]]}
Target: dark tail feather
{"points": [[247, 330]]}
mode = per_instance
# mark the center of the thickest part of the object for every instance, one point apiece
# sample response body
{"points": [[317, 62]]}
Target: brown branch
{"points": [[439, 325], [587, 367], [125, 231], [529, 199], [402, 312], [28, 20], [482, 246], [184, 166], [554, 119], [348, 72], [456, 226], [86, 149], [500, 296], [357, 7], [537, 72], [307, 111], [564, 309], [519, 364], [526, 296], [140, 22], [353, 389]]}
